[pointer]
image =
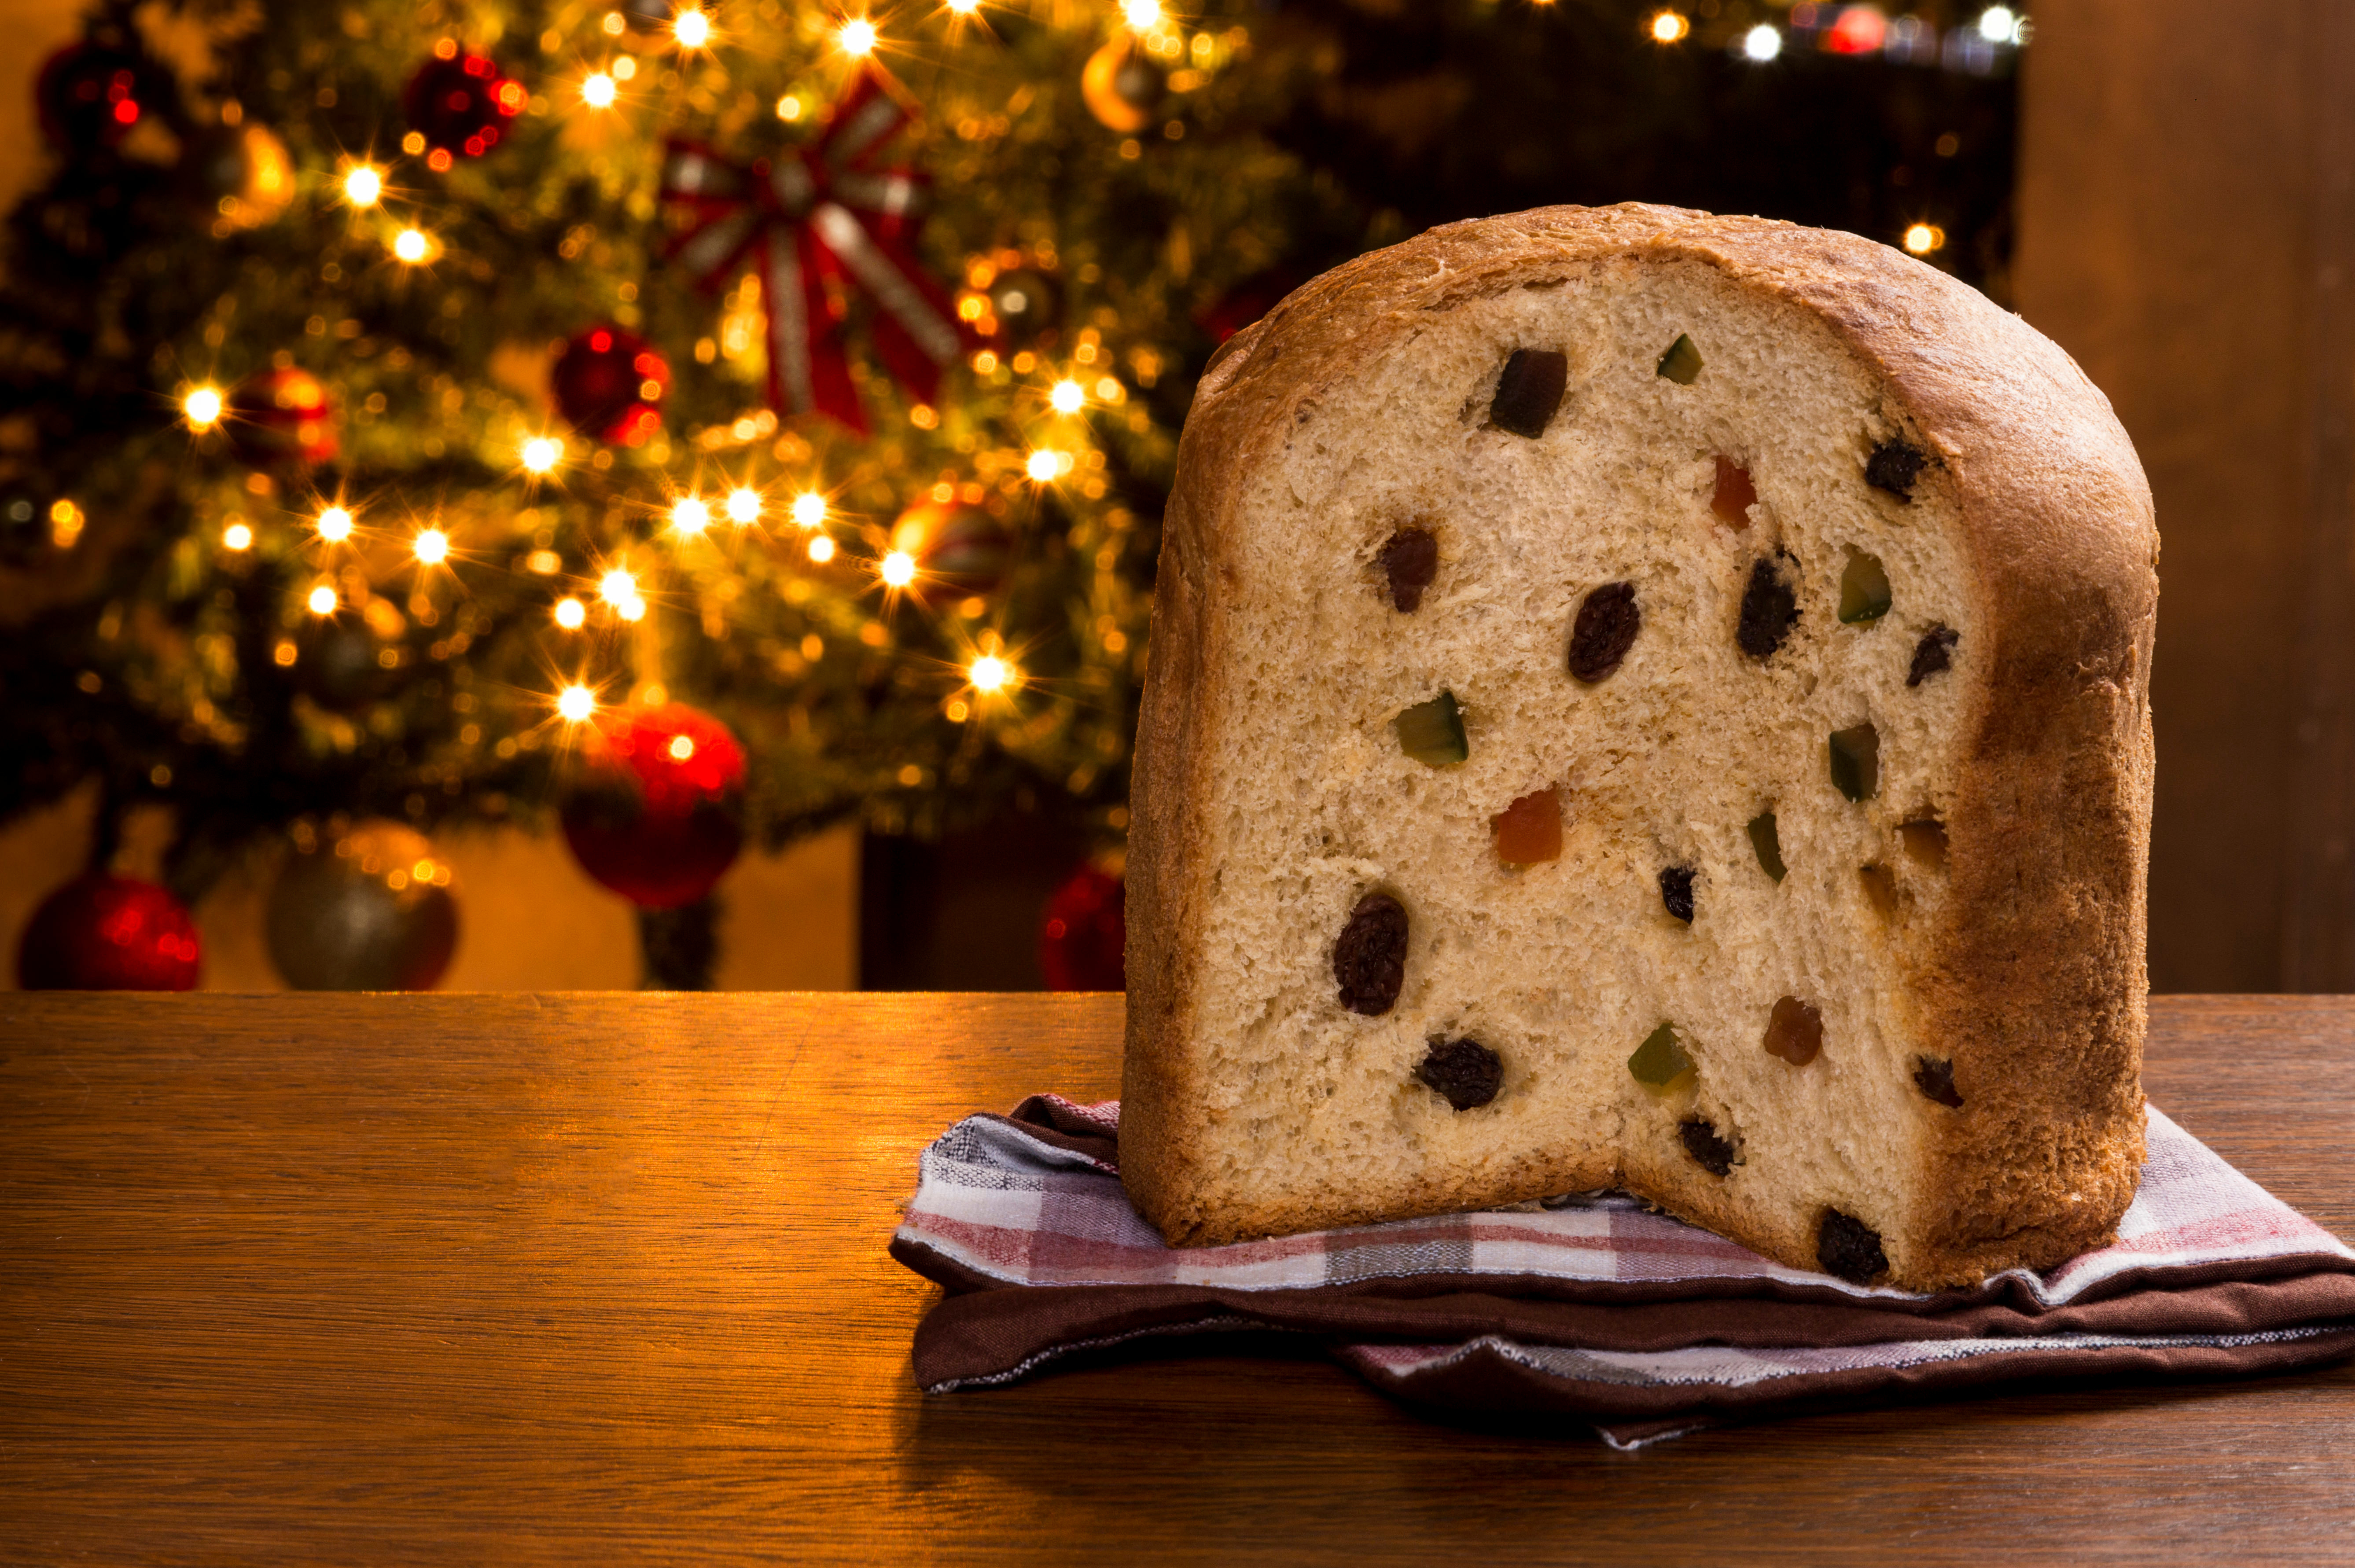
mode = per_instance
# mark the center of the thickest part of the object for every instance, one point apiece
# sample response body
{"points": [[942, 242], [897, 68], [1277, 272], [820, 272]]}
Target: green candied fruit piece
{"points": [[1767, 845], [1856, 761], [1864, 589], [1660, 1060], [1432, 732], [1681, 364]]}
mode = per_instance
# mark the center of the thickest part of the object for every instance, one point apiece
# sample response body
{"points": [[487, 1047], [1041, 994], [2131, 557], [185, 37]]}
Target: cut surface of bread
{"points": [[1647, 700]]}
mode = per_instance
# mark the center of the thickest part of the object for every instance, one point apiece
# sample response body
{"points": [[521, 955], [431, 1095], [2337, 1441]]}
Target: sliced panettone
{"points": [[1647, 700]]}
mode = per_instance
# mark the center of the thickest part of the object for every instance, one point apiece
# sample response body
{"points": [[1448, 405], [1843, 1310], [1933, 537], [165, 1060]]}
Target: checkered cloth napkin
{"points": [[1593, 1306]]}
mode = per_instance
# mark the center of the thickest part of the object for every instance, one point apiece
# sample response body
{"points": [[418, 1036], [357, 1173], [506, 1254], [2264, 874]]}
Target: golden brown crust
{"points": [[2034, 975]]}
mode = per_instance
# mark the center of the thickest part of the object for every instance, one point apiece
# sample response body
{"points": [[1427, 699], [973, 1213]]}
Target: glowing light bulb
{"points": [[963, 7], [598, 92], [203, 407], [1668, 28], [236, 536], [432, 547], [989, 674], [1998, 25], [575, 703], [617, 587], [689, 514], [691, 28], [542, 453], [1143, 15], [1761, 44], [632, 610], [744, 505], [899, 570], [1923, 238], [858, 38], [363, 185], [335, 524], [1068, 397], [570, 614], [321, 601], [681, 747], [809, 509], [411, 245], [821, 549], [1043, 465]]}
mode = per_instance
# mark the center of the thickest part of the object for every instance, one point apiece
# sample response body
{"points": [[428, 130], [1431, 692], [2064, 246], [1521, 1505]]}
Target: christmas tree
{"points": [[691, 426], [411, 413]]}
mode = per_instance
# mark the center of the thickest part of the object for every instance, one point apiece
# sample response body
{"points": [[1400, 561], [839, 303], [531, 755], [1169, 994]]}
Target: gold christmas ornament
{"points": [[1123, 86], [241, 174], [369, 909]]}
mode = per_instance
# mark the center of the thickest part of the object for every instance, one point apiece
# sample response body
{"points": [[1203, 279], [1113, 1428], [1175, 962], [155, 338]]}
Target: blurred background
{"points": [[515, 496]]}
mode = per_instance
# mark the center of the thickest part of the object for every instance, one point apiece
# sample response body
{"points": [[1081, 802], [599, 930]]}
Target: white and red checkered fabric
{"points": [[999, 1207], [1019, 1211]]}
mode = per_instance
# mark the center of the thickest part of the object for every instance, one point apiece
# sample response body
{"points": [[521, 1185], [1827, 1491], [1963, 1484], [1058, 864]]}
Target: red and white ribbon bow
{"points": [[817, 213]]}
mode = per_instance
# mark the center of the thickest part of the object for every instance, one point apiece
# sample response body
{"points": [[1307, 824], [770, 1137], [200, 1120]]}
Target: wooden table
{"points": [[596, 1279]]}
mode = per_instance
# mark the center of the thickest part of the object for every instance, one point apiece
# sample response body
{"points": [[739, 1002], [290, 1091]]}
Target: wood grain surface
{"points": [[601, 1278]]}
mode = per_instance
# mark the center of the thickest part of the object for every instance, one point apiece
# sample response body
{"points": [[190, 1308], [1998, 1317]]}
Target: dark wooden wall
{"points": [[2185, 215]]}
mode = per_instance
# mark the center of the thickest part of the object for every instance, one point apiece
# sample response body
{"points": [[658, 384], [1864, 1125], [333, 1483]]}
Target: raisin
{"points": [[1681, 364], [1766, 843], [1529, 832], [1409, 559], [1369, 959], [1710, 1152], [1880, 887], [1432, 732], [1935, 1076], [1795, 1031], [1849, 1249], [1769, 607], [1529, 391], [1660, 1060], [1925, 842], [1734, 495], [1933, 653], [1864, 590], [1606, 627], [1676, 892], [1464, 1072], [1856, 761], [1893, 466]]}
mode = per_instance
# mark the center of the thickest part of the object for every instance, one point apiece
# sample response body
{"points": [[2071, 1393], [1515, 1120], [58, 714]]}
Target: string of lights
{"points": [[433, 501], [491, 379]]}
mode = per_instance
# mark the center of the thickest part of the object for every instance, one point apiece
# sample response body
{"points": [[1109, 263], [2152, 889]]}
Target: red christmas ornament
{"points": [[281, 419], [101, 932], [1083, 941], [818, 213], [961, 547], [90, 94], [607, 383], [658, 812], [460, 103], [1247, 301]]}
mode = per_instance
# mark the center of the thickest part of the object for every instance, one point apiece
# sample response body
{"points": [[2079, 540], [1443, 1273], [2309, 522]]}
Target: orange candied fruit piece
{"points": [[1529, 830], [1734, 495]]}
